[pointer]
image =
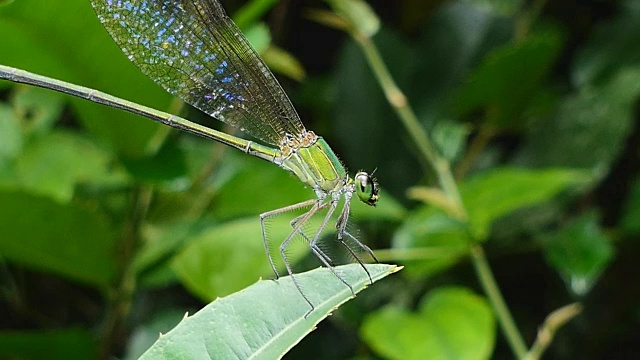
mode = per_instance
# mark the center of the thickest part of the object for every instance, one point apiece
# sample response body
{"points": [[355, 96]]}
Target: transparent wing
{"points": [[195, 51]]}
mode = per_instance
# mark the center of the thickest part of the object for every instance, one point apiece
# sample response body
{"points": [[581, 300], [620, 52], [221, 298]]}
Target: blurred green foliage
{"points": [[106, 215]]}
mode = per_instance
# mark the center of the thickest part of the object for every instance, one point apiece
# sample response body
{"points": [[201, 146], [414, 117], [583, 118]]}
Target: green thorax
{"points": [[317, 166]]}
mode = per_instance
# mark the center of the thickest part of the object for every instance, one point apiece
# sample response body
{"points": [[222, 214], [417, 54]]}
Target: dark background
{"points": [[537, 85]]}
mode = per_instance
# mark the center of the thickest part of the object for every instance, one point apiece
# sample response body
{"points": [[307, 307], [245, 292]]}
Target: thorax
{"points": [[317, 166]]}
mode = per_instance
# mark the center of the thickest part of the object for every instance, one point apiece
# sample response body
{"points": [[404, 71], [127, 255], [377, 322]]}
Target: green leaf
{"points": [[590, 127], [499, 192], [278, 60], [144, 335], [83, 53], [429, 70], [230, 256], [455, 39], [387, 208], [238, 194], [166, 166], [451, 323], [68, 240], [250, 12], [152, 263], [429, 241], [450, 139], [161, 242], [37, 109], [68, 344], [580, 252], [264, 320], [368, 109], [241, 194], [259, 36], [503, 84], [10, 134], [283, 62], [359, 15], [52, 165]]}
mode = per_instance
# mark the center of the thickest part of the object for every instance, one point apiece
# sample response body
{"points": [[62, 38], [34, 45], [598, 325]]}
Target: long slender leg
{"points": [[276, 212], [341, 226], [316, 250], [306, 238], [356, 257], [363, 246], [316, 206]]}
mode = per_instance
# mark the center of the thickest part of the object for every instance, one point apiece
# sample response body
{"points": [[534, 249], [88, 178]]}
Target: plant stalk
{"points": [[122, 293], [401, 105], [491, 289], [447, 181]]}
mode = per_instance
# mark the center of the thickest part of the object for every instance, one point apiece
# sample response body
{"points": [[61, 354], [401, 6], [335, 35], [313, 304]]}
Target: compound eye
{"points": [[366, 188]]}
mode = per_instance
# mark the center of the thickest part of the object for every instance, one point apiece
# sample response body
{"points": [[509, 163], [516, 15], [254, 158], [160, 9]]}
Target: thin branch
{"points": [[122, 293], [551, 325]]}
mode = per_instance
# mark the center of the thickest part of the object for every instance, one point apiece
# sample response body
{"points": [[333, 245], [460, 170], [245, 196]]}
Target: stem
{"points": [[492, 291], [400, 104], [120, 302], [442, 168], [422, 253], [551, 325]]}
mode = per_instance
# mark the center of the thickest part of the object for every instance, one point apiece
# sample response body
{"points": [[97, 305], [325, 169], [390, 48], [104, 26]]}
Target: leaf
{"points": [[264, 320], [450, 139], [254, 186], [237, 191], [228, 257], [162, 241], [11, 139], [54, 163], [580, 252], [499, 192], [437, 198], [259, 36], [455, 39], [451, 323], [144, 335], [359, 15], [283, 62], [152, 263], [383, 145], [387, 208], [250, 12], [68, 344], [37, 109], [83, 53], [504, 83], [68, 240], [590, 127], [429, 241], [166, 166]]}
